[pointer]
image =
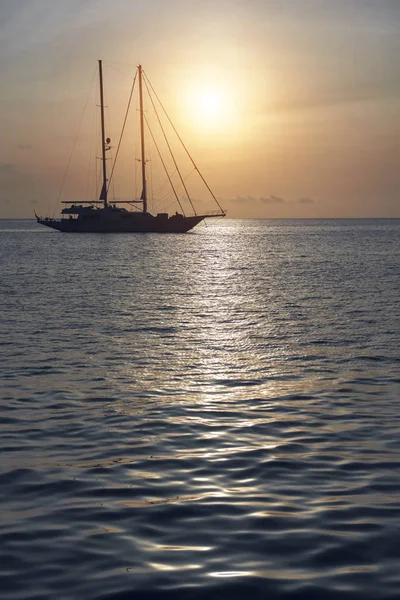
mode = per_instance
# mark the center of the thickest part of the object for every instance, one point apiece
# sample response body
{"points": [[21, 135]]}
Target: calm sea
{"points": [[211, 415]]}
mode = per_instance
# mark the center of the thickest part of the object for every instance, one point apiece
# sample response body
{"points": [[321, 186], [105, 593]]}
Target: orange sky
{"points": [[290, 108]]}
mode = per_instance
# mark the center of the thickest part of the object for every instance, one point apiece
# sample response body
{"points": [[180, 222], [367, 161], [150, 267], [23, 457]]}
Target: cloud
{"points": [[6, 167], [267, 200], [242, 199], [272, 200], [25, 146]]}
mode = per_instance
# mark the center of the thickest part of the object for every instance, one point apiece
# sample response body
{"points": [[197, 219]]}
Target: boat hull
{"points": [[133, 223]]}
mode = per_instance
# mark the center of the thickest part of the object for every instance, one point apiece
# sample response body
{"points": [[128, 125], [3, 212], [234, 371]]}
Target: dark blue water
{"points": [[212, 415]]}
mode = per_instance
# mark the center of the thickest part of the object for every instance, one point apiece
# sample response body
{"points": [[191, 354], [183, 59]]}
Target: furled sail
{"points": [[103, 193]]}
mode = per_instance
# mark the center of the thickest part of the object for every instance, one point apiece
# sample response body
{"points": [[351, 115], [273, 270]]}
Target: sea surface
{"points": [[210, 415]]}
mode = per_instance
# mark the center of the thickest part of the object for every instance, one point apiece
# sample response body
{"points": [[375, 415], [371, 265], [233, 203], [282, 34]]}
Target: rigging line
{"points": [[169, 147], [185, 178], [167, 202], [165, 196], [160, 187], [164, 188], [92, 160], [181, 141], [122, 132], [164, 165], [114, 62], [75, 140], [110, 64], [166, 207]]}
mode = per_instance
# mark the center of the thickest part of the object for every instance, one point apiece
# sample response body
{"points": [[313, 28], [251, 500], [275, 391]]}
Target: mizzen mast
{"points": [[143, 159], [103, 194]]}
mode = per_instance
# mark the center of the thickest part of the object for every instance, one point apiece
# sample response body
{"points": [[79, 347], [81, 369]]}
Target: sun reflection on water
{"points": [[228, 574]]}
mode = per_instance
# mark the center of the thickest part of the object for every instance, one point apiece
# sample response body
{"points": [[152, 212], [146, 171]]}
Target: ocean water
{"points": [[211, 415]]}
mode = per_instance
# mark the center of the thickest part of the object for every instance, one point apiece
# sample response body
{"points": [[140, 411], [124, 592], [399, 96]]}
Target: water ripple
{"points": [[220, 422]]}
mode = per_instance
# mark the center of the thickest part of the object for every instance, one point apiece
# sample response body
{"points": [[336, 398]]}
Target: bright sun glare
{"points": [[209, 104], [208, 107]]}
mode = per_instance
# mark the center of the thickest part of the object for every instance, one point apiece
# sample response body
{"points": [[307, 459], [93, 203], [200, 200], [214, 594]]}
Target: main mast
{"points": [[144, 183], [103, 195]]}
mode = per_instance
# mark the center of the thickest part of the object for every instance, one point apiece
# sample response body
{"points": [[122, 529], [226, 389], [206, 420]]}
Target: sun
{"points": [[212, 102], [209, 104], [208, 107]]}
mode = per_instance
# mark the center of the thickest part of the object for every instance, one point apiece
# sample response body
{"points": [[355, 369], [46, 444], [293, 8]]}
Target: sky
{"points": [[290, 108]]}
